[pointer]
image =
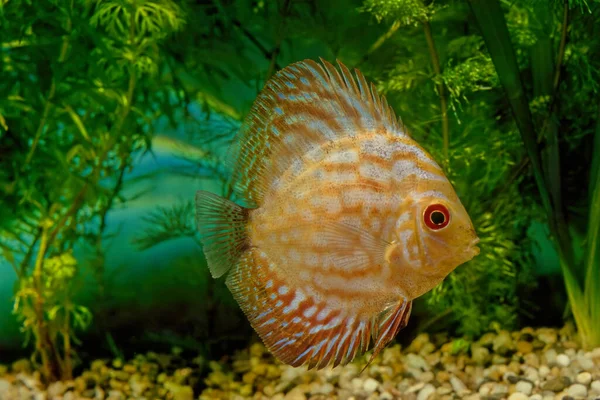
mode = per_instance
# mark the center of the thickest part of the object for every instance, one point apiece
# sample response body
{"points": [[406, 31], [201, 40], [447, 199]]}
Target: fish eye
{"points": [[436, 216]]}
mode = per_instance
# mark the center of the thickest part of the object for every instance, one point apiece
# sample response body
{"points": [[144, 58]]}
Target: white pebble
{"points": [[386, 396], [595, 387], [518, 396], [550, 356], [524, 387], [544, 371], [586, 363], [500, 389], [577, 390], [584, 378], [459, 387], [370, 385], [563, 360], [426, 392], [535, 397]]}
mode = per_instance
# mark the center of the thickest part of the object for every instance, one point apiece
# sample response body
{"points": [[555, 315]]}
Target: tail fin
{"points": [[222, 226]]}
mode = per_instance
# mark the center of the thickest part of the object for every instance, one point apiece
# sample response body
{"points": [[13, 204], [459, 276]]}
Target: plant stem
{"points": [[435, 61], [275, 53], [25, 262], [67, 371], [390, 32], [51, 92], [254, 41], [44, 344]]}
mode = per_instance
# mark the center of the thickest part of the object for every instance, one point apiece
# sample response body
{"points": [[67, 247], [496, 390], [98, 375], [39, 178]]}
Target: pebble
{"points": [[595, 387], [584, 378], [577, 390], [518, 396], [563, 360], [554, 385], [585, 362], [500, 390], [370, 385], [524, 347], [524, 387], [459, 387], [426, 392], [4, 387], [550, 356], [533, 364]]}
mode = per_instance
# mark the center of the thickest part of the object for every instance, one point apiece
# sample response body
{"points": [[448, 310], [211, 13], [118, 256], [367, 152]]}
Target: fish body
{"points": [[348, 218]]}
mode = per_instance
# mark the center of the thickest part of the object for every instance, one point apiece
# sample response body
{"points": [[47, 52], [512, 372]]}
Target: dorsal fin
{"points": [[303, 106]]}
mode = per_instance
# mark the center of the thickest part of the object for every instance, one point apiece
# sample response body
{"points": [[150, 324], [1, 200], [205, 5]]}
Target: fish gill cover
{"points": [[113, 112]]}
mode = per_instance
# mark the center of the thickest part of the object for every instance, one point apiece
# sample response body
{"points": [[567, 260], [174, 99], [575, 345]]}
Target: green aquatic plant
{"points": [[487, 289], [582, 276], [414, 12], [74, 105]]}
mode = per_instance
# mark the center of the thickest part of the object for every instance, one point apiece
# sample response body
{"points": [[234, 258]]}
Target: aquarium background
{"points": [[113, 113]]}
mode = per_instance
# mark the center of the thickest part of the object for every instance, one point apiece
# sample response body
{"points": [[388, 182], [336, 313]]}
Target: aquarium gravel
{"points": [[536, 364]]}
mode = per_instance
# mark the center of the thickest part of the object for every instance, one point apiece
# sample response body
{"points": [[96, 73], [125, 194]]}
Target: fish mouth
{"points": [[473, 247]]}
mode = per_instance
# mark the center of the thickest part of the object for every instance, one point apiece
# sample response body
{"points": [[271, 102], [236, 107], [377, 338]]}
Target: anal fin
{"points": [[299, 330], [387, 326]]}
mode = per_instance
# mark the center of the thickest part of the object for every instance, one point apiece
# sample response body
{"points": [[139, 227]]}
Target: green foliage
{"points": [[167, 223], [407, 12], [583, 293], [78, 93]]}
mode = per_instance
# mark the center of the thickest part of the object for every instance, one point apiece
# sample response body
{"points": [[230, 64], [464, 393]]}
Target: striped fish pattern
{"points": [[346, 219]]}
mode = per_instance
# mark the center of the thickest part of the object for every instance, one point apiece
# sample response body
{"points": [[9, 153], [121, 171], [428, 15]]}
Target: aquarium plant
{"points": [[77, 95]]}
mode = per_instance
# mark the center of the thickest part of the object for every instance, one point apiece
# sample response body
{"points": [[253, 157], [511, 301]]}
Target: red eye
{"points": [[436, 216]]}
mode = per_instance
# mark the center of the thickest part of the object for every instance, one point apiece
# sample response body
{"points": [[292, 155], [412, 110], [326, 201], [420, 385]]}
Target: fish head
{"points": [[446, 237], [433, 236]]}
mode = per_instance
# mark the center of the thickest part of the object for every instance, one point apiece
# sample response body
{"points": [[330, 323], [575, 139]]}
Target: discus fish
{"points": [[345, 218]]}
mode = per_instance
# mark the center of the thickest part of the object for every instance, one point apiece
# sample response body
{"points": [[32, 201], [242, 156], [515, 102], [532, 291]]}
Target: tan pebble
{"points": [[443, 390], [427, 376], [246, 390], [518, 396], [486, 388], [386, 396], [547, 335], [415, 388], [295, 394], [426, 393], [532, 359], [446, 348], [577, 390], [584, 378], [514, 367], [249, 378], [595, 388], [442, 376], [524, 347]]}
